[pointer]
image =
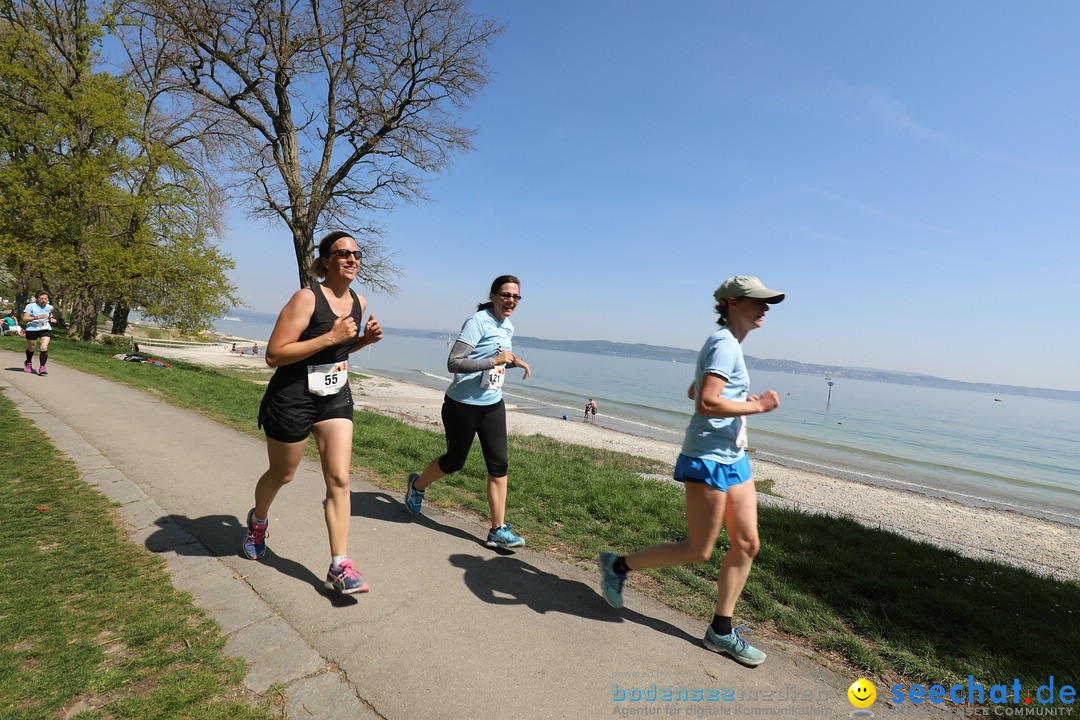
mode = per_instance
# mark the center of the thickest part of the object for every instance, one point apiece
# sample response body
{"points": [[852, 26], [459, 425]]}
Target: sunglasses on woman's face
{"points": [[343, 253]]}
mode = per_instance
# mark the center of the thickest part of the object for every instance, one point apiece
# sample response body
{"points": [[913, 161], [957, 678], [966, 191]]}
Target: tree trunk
{"points": [[83, 315], [304, 245], [120, 318]]}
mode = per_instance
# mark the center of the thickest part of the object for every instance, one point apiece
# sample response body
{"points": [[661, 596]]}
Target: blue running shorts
{"points": [[712, 473]]}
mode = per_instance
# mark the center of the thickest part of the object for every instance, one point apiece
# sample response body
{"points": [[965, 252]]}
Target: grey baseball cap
{"points": [[746, 286]]}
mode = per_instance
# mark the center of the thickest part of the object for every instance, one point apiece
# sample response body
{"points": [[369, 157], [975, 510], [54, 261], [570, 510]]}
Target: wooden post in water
{"points": [[829, 400]]}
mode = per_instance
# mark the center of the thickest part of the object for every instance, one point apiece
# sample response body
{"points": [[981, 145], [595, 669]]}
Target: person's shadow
{"points": [[221, 536], [512, 581], [387, 508]]}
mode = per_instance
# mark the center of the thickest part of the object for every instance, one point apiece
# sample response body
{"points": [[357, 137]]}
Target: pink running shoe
{"points": [[345, 579], [27, 367], [255, 540], [42, 371]]}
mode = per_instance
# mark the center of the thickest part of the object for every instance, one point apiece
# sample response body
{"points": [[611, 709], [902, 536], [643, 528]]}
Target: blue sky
{"points": [[908, 173]]}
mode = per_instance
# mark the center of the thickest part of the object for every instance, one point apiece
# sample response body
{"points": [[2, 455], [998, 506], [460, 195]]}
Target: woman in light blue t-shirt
{"points": [[714, 468], [473, 406], [38, 317]]}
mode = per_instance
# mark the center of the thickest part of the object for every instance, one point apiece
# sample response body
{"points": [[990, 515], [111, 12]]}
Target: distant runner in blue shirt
{"points": [[714, 468], [38, 317], [473, 406]]}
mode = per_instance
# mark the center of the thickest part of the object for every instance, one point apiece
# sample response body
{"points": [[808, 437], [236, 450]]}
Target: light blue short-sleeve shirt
{"points": [[42, 323], [712, 438], [488, 338]]}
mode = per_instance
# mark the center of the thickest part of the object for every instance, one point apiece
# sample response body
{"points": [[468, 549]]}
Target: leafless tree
{"points": [[327, 112]]}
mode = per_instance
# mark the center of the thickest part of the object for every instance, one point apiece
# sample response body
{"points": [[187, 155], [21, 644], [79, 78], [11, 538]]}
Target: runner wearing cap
{"points": [[714, 468]]}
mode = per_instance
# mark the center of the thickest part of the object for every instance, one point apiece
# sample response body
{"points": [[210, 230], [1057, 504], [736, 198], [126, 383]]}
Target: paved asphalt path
{"points": [[450, 629]]}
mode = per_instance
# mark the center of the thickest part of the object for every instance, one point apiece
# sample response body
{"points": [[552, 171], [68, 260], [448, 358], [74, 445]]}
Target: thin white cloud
{"points": [[833, 239], [771, 73], [896, 114], [1013, 261], [879, 214]]}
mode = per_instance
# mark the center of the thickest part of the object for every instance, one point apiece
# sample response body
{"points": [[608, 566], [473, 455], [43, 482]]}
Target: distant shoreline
{"points": [[665, 353]]}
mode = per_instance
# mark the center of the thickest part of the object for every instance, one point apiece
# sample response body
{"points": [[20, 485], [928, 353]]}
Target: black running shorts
{"points": [[288, 414]]}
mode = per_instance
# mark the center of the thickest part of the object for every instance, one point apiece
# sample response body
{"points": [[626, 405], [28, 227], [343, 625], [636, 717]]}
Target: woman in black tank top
{"points": [[294, 375], [309, 394]]}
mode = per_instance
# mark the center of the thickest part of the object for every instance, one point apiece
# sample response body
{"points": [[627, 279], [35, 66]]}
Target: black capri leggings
{"points": [[462, 423]]}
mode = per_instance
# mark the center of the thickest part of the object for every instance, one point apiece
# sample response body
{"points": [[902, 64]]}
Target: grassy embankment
{"points": [[90, 625], [886, 607]]}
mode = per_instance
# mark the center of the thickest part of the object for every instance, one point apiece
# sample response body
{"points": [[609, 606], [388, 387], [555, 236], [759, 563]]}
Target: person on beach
{"points": [[474, 406], [590, 407], [38, 317], [309, 395], [715, 469]]}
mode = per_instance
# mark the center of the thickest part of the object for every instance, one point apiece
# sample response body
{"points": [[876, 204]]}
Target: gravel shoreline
{"points": [[1041, 546]]}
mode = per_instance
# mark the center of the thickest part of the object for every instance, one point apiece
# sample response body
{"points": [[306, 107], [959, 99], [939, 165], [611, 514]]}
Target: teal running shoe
{"points": [[611, 582], [413, 497], [734, 647], [501, 537]]}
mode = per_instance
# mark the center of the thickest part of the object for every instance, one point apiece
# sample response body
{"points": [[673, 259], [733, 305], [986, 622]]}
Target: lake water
{"points": [[1013, 451]]}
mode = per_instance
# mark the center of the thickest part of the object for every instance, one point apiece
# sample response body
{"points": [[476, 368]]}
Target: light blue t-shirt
{"points": [[35, 309], [712, 438], [488, 338]]}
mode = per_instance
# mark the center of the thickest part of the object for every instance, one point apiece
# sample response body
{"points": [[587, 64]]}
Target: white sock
{"points": [[256, 520], [335, 562]]}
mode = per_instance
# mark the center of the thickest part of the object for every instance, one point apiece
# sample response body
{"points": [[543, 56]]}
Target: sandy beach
{"points": [[1043, 546]]}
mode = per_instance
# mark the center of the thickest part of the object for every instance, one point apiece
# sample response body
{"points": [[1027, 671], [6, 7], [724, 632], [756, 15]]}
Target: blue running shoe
{"points": [[413, 497], [501, 537], [345, 579], [255, 542], [611, 582], [734, 647]]}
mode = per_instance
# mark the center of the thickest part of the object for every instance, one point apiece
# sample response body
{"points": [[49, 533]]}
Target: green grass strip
{"points": [[89, 621]]}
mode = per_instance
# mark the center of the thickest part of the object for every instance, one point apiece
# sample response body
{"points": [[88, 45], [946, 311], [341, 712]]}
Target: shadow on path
{"points": [[387, 508], [512, 581], [221, 536]]}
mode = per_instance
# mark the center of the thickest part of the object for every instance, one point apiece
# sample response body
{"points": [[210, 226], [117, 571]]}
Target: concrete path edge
{"points": [[276, 654]]}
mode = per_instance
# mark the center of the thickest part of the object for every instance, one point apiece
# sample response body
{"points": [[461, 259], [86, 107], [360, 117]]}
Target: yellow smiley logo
{"points": [[862, 693]]}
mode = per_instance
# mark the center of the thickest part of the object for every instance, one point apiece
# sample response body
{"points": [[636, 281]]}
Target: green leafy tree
{"points": [[77, 122], [115, 215], [25, 141]]}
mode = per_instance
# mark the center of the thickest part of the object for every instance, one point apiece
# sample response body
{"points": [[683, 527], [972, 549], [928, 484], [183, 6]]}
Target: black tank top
{"points": [[322, 319]]}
